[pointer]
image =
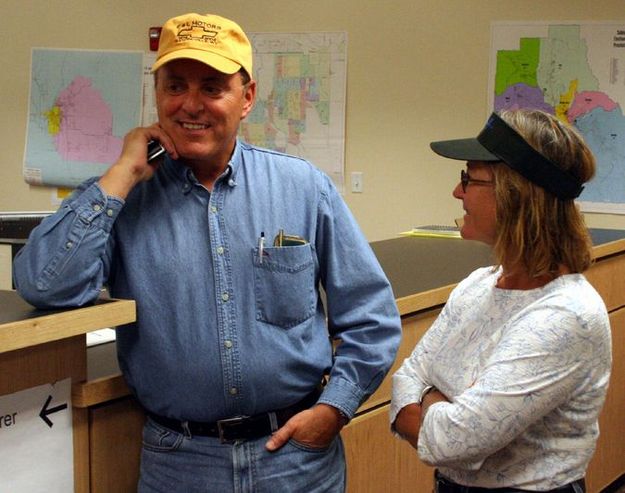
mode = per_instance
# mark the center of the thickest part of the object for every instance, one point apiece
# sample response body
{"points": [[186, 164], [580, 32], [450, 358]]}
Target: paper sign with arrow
{"points": [[36, 436], [45, 411]]}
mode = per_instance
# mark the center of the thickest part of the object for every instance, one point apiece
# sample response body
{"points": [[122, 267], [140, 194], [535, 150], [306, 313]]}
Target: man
{"points": [[232, 340]]}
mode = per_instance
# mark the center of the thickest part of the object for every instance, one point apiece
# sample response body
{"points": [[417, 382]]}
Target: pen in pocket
{"points": [[261, 247]]}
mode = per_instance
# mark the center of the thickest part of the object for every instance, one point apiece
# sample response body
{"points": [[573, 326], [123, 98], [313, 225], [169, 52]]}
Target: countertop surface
{"points": [[413, 265], [416, 265]]}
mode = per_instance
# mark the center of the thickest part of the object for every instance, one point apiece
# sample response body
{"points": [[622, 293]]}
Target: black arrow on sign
{"points": [[43, 414]]}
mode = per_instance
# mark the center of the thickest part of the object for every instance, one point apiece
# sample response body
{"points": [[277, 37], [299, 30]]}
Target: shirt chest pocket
{"points": [[284, 285]]}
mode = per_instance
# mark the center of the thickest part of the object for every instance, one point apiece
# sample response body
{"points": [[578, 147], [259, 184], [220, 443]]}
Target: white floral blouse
{"points": [[526, 373]]}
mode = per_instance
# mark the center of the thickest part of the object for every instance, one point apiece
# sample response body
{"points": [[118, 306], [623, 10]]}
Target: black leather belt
{"points": [[444, 485], [239, 427]]}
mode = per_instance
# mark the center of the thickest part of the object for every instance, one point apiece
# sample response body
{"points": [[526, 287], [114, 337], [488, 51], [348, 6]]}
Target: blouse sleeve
{"points": [[545, 356]]}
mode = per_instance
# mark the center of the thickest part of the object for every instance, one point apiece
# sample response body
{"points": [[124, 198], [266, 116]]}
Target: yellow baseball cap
{"points": [[210, 39]]}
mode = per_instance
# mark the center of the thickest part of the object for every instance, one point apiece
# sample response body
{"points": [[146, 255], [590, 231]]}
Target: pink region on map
{"points": [[86, 130], [586, 101]]}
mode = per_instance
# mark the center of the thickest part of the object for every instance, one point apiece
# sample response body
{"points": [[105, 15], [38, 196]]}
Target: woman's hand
{"points": [[408, 423], [409, 419]]}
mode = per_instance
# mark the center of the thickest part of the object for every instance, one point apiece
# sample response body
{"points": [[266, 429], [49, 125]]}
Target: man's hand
{"points": [[315, 427], [132, 166]]}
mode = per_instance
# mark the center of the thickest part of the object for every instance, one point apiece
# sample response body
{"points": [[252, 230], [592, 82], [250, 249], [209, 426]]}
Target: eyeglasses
{"points": [[465, 179]]}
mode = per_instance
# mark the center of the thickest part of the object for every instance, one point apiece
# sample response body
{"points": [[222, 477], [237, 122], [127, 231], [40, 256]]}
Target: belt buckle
{"points": [[224, 424]]}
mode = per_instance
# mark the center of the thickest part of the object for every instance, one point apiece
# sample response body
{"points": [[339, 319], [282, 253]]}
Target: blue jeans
{"points": [[173, 462]]}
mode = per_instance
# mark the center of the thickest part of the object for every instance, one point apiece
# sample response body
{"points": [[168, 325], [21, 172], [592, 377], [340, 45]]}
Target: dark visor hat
{"points": [[498, 141]]}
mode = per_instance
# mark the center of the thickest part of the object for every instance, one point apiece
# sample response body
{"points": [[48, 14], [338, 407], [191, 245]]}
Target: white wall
{"points": [[417, 72]]}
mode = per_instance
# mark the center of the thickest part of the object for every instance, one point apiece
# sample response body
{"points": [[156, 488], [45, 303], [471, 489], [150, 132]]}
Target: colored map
{"points": [[575, 71], [82, 103], [300, 104]]}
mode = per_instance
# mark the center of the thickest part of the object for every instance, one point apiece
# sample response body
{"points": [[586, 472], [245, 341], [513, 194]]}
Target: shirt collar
{"points": [[183, 174]]}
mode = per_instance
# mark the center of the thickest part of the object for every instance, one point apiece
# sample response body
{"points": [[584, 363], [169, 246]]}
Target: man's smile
{"points": [[194, 126]]}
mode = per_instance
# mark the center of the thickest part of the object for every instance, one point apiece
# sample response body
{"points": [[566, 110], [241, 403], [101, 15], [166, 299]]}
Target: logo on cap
{"points": [[197, 31]]}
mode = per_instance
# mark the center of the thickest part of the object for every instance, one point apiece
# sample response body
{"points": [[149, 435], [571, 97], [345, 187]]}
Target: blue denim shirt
{"points": [[221, 332]]}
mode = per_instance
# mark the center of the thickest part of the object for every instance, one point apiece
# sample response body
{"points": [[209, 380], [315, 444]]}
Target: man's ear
{"points": [[249, 97]]}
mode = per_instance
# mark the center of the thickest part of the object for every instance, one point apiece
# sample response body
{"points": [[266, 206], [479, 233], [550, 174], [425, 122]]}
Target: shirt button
{"points": [[225, 296], [69, 244], [228, 344], [220, 250], [234, 391], [109, 212], [213, 208], [97, 207]]}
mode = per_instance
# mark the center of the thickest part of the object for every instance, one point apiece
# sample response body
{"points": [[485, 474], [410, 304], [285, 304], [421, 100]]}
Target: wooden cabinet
{"points": [[115, 439], [377, 461], [39, 347], [108, 422], [608, 463], [414, 326]]}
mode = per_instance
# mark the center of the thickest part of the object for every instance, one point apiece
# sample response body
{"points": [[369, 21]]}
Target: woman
{"points": [[504, 391]]}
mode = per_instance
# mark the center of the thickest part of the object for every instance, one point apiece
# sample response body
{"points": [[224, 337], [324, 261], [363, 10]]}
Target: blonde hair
{"points": [[535, 229]]}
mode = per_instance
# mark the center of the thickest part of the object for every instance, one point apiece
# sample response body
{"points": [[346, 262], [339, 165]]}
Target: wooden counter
{"points": [[39, 347], [23, 326], [422, 271]]}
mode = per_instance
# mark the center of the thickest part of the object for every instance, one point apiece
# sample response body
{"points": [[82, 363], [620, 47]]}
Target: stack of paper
{"points": [[434, 231]]}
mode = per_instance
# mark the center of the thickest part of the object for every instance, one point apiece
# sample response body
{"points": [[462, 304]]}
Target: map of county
{"points": [[575, 72], [82, 124], [300, 105], [82, 103]]}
